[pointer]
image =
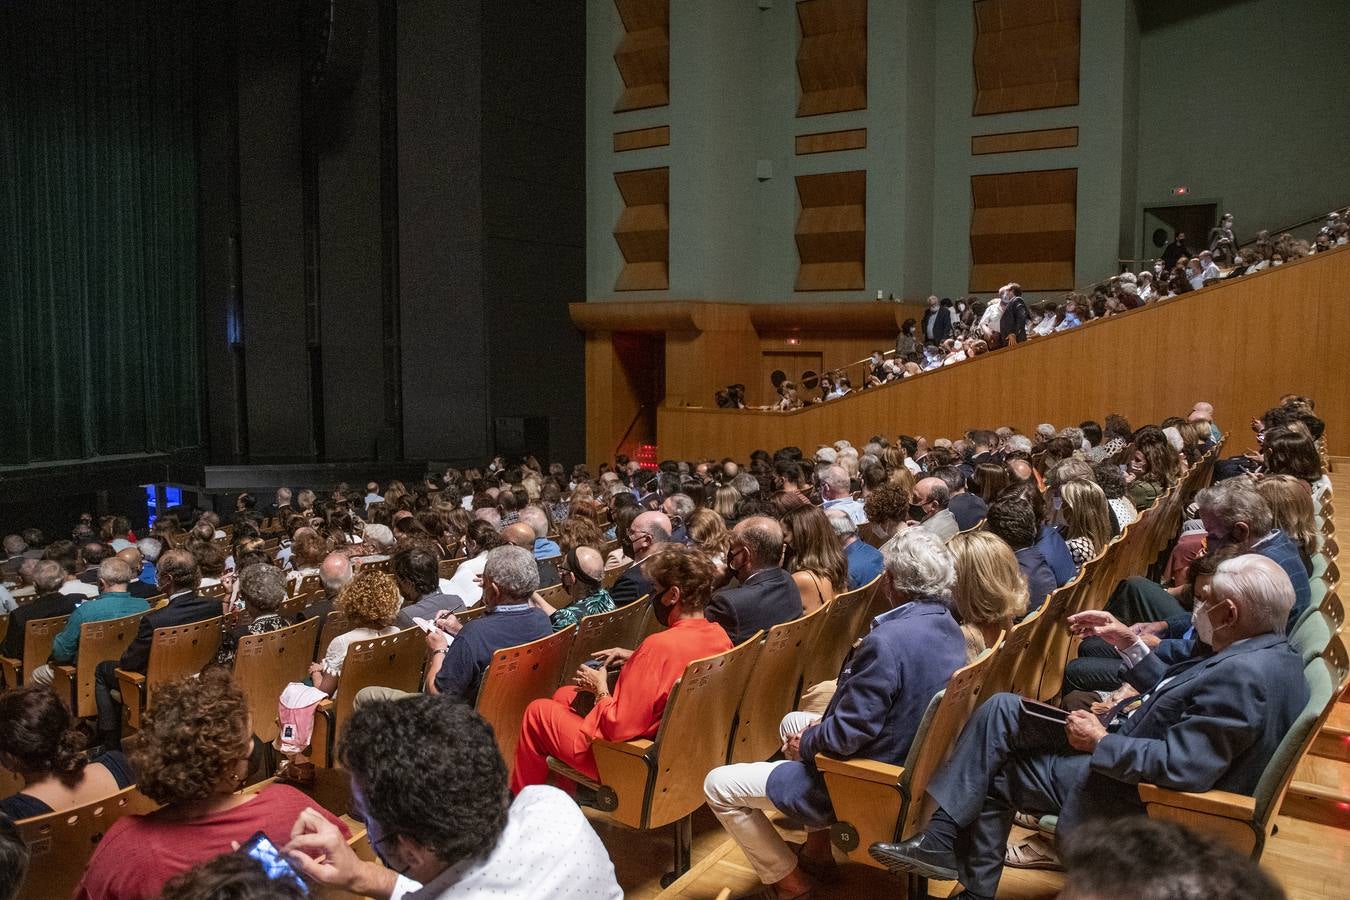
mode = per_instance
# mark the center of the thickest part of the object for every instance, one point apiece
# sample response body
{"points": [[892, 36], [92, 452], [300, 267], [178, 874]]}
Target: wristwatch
{"points": [[440, 651]]}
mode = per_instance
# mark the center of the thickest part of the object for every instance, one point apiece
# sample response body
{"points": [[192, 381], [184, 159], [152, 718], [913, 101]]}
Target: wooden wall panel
{"points": [[643, 230], [1023, 228], [831, 56], [830, 141], [643, 56], [832, 231], [1228, 344], [1026, 54], [1018, 141], [641, 138]]}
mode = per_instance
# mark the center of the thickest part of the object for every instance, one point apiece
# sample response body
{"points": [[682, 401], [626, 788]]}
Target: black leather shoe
{"points": [[912, 856]]}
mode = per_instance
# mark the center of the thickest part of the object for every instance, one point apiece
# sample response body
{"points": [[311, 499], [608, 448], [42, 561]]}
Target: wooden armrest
{"points": [[321, 747], [1214, 803], [861, 769], [639, 747], [135, 679]]}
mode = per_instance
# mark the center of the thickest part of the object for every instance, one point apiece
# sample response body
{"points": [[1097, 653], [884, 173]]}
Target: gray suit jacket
{"points": [[428, 606]]}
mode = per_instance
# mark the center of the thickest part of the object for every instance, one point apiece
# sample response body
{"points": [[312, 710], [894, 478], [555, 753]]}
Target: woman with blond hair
{"points": [[991, 591], [1087, 519], [813, 555], [1292, 506], [724, 502]]}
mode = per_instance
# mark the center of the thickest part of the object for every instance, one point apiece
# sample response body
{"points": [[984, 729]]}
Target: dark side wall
{"points": [[387, 256]]}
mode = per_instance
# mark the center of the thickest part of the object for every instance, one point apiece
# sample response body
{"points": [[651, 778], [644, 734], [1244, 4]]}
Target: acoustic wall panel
{"points": [[830, 141], [643, 56], [832, 56], [641, 138], [1026, 54], [1017, 141], [832, 231], [1022, 229], [643, 231]]}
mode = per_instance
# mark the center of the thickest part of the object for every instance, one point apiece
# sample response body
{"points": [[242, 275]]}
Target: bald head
{"points": [[334, 572], [519, 534], [762, 539], [648, 529], [1202, 410], [932, 495], [591, 563], [534, 517], [1020, 469], [132, 557]]}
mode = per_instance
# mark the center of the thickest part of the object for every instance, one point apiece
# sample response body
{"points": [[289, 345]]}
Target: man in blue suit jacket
{"points": [[767, 595], [1207, 722], [883, 691], [864, 560]]}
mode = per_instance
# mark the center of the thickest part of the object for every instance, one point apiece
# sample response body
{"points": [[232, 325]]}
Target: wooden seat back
{"points": [[447, 568], [773, 687], [695, 731], [617, 628], [843, 622], [477, 611], [334, 623], [219, 591], [612, 576], [305, 585], [99, 641], [1012, 658], [393, 661], [515, 677], [177, 651], [555, 596], [265, 663], [38, 637], [61, 843], [370, 565]]}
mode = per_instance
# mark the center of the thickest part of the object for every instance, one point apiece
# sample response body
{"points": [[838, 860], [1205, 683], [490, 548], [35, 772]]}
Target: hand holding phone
{"points": [[274, 864]]}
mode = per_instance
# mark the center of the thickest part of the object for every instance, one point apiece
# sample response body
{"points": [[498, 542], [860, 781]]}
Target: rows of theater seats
{"points": [[725, 709]]}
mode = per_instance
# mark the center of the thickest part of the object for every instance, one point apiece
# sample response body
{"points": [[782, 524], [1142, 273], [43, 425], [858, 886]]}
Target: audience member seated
{"points": [[47, 603], [39, 742], [648, 532], [887, 509], [263, 590], [522, 535], [813, 556], [335, 573], [1109, 478], [1013, 520], [467, 837], [1210, 722], [418, 580], [1291, 509], [308, 550], [1292, 450], [68, 555], [380, 540], [990, 592], [836, 493], [1234, 514], [682, 582], [929, 508], [369, 603], [864, 561], [582, 571], [1153, 467], [766, 594], [458, 662], [137, 587], [968, 509], [192, 757], [883, 691], [113, 602], [544, 546], [1087, 519], [178, 579]]}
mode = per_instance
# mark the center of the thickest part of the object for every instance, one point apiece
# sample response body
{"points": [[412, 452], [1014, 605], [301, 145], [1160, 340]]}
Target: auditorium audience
{"points": [[1087, 519], [262, 588], [48, 602], [929, 511], [1013, 519], [883, 692], [113, 602], [1292, 512], [466, 583], [1215, 729], [836, 493], [191, 756]]}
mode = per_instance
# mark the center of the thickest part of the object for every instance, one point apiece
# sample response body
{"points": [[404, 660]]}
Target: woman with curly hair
{"points": [[370, 602], [682, 581], [813, 556], [192, 758], [40, 744], [887, 508], [578, 532]]}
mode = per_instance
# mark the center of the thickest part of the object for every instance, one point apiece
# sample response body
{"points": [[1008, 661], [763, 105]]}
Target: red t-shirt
{"points": [[139, 853]]}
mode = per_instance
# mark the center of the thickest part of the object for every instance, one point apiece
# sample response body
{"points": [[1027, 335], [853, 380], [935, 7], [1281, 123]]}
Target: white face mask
{"points": [[1204, 628]]}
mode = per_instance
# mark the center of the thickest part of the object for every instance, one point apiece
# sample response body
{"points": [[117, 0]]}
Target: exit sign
{"points": [[1180, 191]]}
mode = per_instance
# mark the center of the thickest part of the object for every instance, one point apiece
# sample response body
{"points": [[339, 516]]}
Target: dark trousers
{"points": [[995, 771], [1138, 600], [1097, 668], [109, 710]]}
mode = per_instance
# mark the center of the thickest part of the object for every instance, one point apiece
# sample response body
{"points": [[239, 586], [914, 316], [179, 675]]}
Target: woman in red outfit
{"points": [[192, 757], [682, 583]]}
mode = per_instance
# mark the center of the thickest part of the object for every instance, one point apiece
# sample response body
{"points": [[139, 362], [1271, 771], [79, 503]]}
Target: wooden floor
{"points": [[1311, 862]]}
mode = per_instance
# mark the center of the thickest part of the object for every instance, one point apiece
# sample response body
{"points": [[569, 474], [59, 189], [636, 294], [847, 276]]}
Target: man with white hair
{"points": [[380, 540], [826, 456], [836, 493], [150, 550], [1208, 268], [15, 546], [537, 519], [864, 561], [1209, 722], [883, 691]]}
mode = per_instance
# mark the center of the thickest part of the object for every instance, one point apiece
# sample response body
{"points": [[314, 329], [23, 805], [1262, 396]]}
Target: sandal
{"points": [[301, 774], [1036, 852], [1027, 820]]}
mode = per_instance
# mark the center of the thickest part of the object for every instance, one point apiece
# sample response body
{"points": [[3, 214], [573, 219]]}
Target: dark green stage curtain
{"points": [[99, 349]]}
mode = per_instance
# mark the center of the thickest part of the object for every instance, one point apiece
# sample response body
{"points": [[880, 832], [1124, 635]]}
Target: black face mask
{"points": [[660, 610], [917, 513]]}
